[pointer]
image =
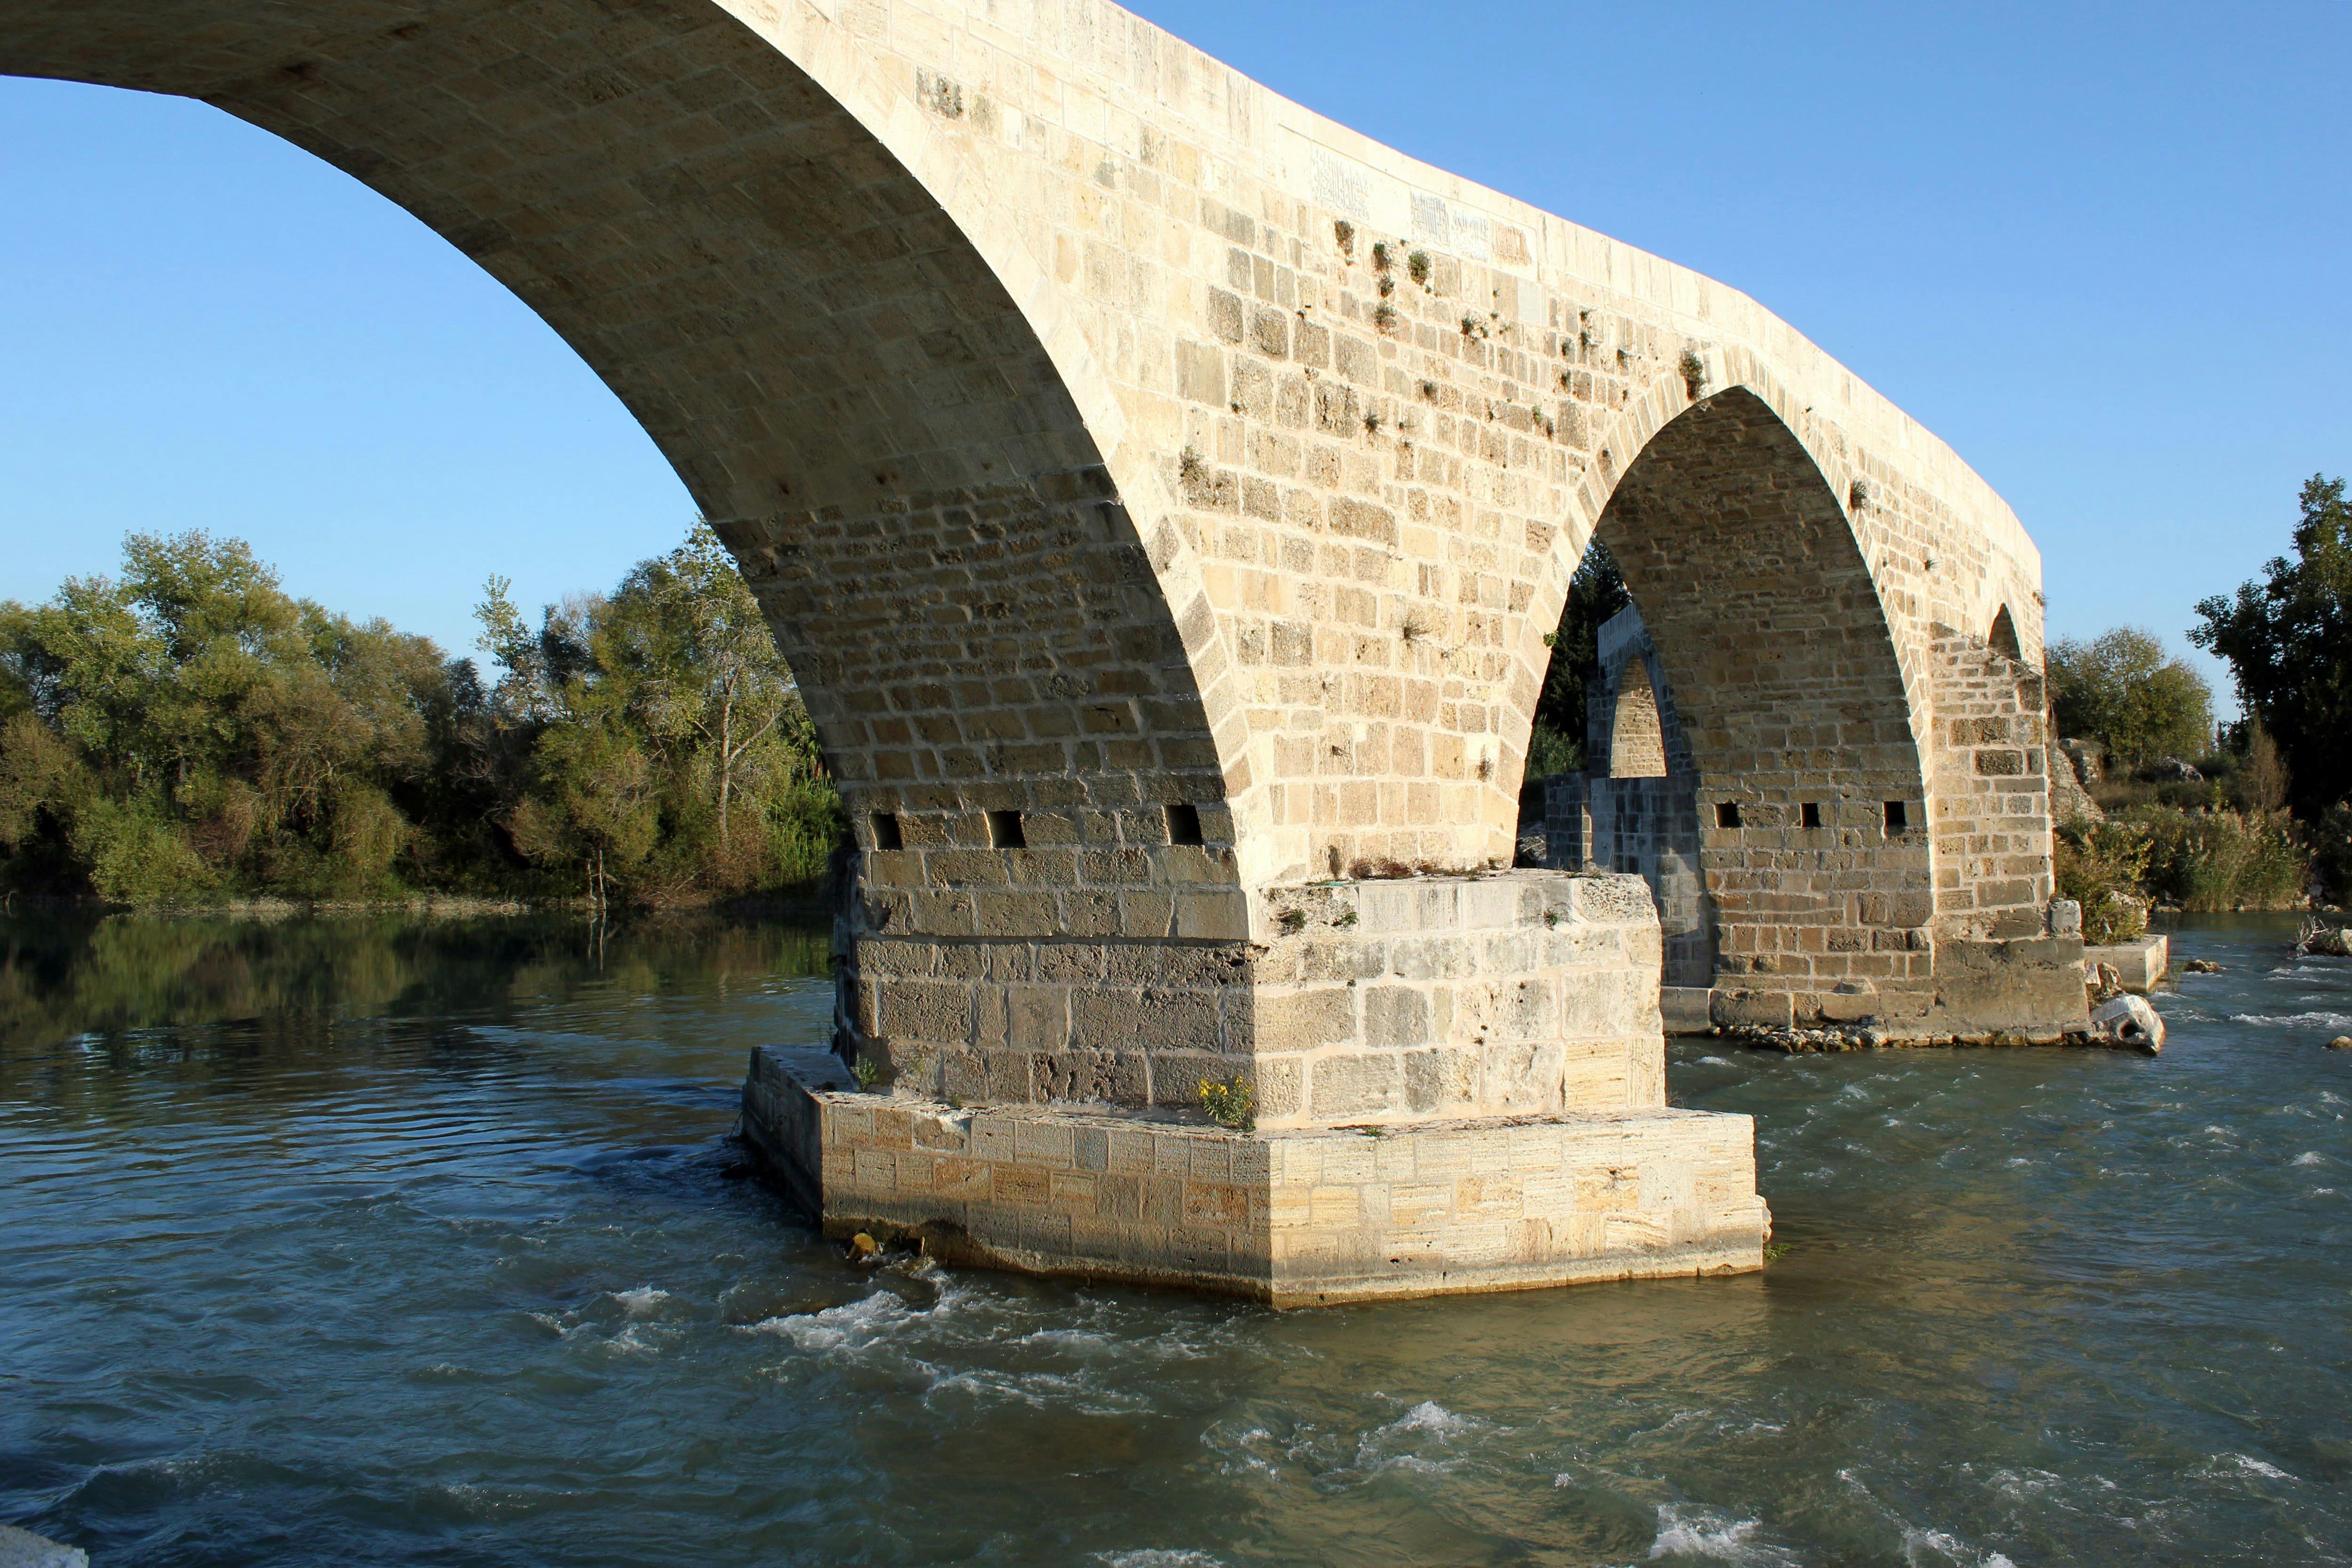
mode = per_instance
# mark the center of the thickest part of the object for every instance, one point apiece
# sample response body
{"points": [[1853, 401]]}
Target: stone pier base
{"points": [[1292, 1219]]}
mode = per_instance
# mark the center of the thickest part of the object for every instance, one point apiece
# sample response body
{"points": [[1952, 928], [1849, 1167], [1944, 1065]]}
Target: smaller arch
{"points": [[2002, 637], [1637, 741]]}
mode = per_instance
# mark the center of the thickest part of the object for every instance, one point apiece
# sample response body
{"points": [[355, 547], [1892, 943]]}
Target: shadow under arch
{"points": [[1785, 678], [843, 380]]}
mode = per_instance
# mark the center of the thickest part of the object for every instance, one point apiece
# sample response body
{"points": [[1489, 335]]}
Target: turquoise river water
{"points": [[368, 1241]]}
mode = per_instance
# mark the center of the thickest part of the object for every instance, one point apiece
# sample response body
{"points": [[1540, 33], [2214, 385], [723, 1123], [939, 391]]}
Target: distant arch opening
{"points": [[1637, 743], [2002, 638]]}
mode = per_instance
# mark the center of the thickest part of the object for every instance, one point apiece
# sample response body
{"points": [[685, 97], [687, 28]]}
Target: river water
{"points": [[374, 1241]]}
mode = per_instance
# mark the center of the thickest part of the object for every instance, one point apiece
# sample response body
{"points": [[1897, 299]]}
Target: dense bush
{"points": [[2099, 866], [2208, 860], [2331, 848]]}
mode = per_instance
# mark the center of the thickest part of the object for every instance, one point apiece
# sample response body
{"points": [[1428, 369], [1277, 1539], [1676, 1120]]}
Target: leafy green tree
{"points": [[595, 805], [2123, 691], [658, 719], [191, 728], [686, 634], [191, 731], [2288, 643]]}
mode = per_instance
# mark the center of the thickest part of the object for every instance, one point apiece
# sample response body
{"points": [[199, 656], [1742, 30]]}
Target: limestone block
{"points": [[1738, 1010], [2139, 965], [2129, 1022]]}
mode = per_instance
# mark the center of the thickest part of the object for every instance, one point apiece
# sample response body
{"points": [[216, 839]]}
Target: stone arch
{"points": [[2002, 636], [1789, 684], [926, 481]]}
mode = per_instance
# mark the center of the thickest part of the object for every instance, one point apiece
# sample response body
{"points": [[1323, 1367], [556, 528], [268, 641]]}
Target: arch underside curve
{"points": [[836, 372], [1789, 691]]}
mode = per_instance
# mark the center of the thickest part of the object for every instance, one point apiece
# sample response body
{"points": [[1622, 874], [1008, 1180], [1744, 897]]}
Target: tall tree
{"points": [[686, 634], [2288, 643], [2124, 692], [657, 723]]}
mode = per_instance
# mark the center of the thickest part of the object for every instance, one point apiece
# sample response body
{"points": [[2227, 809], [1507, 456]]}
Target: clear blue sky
{"points": [[2101, 250]]}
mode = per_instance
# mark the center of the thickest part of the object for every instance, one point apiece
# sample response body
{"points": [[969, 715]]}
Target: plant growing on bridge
{"points": [[1232, 1105], [2099, 866], [1694, 373]]}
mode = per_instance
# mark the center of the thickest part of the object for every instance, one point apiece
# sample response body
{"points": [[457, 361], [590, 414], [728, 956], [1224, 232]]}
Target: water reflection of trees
{"points": [[101, 979]]}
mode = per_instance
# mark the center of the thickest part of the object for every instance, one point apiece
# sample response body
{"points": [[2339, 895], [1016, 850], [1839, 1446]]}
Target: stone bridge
{"points": [[1165, 495]]}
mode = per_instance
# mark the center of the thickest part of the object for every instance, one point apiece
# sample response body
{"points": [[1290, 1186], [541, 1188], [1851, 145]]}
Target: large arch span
{"points": [[1104, 434]]}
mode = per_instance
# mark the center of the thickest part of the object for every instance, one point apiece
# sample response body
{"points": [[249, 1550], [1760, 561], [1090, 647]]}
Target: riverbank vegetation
{"points": [[189, 733], [2258, 816]]}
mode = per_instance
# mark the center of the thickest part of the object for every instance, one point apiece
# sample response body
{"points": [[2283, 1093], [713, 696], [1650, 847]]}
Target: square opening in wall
{"points": [[1898, 816], [1727, 813], [1811, 813], [886, 831], [1184, 824], [1004, 831]]}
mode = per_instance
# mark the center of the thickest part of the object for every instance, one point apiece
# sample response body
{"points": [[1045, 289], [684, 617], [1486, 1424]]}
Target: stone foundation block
{"points": [[2139, 964], [1305, 1216]]}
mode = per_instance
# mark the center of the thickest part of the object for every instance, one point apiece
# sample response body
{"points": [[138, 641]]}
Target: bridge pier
{"points": [[1459, 1084]]}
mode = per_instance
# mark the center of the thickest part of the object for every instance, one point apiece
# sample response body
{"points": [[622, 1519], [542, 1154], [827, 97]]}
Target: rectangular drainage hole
{"points": [[1184, 824], [1004, 831], [886, 831], [1898, 816], [1812, 813], [1727, 813]]}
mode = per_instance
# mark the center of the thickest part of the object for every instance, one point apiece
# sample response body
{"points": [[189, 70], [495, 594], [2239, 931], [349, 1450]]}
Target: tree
{"points": [[2288, 643], [1595, 594], [2122, 692], [653, 724], [687, 635], [190, 727]]}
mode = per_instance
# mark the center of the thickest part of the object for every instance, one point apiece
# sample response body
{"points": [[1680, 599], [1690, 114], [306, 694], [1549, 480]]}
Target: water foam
{"points": [[1713, 1536]]}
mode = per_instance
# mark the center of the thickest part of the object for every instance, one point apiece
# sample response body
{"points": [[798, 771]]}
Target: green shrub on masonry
{"points": [[2100, 865]]}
